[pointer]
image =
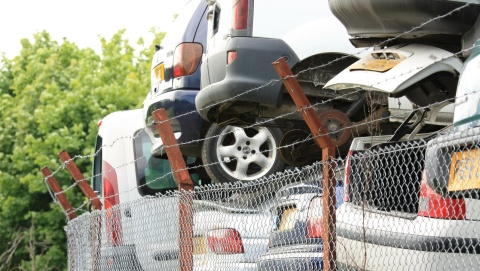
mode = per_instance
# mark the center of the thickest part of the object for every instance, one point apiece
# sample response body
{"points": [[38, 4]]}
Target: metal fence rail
{"points": [[406, 205]]}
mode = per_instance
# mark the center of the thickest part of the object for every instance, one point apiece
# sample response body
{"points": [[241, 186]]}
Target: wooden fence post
{"points": [[97, 205], [184, 182], [328, 152], [62, 199]]}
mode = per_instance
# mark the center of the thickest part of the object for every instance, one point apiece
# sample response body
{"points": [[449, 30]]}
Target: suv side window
{"points": [[213, 18], [154, 173], [97, 166]]}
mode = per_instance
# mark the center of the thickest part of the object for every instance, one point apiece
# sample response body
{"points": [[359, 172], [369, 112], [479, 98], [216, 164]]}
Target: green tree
{"points": [[53, 95]]}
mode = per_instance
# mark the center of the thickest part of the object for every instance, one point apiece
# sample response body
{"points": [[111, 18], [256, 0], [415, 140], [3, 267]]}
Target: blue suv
{"points": [[228, 153]]}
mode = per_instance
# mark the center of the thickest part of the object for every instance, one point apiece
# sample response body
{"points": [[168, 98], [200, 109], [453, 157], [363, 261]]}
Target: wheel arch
{"points": [[320, 68]]}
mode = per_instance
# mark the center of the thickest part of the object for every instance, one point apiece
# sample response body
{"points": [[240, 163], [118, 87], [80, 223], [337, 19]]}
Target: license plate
{"points": [[464, 171], [287, 221], [376, 65], [199, 246], [159, 72]]}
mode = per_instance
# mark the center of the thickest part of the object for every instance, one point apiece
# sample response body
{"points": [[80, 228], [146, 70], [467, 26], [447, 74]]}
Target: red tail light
{"points": [[315, 218], [110, 194], [240, 14], [186, 59], [225, 241], [231, 55], [346, 190], [432, 204]]}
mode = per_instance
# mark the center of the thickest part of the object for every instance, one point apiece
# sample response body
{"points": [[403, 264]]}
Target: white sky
{"points": [[82, 22]]}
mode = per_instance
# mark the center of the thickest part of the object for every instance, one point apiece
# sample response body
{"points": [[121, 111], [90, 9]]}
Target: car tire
{"points": [[233, 154]]}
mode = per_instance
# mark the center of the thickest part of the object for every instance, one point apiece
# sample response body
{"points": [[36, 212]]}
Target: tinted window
{"points": [[154, 173], [97, 166]]}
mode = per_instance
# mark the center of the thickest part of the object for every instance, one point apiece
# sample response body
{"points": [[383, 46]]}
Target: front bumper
{"points": [[382, 241], [226, 266], [290, 259], [120, 258]]}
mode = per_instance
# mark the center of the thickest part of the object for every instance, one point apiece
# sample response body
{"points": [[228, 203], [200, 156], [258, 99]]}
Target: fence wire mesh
{"points": [[408, 204], [411, 204]]}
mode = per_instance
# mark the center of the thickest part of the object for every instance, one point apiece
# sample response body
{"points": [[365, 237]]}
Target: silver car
{"points": [[414, 204], [296, 239]]}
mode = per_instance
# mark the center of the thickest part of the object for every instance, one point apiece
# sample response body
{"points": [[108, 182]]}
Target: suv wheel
{"points": [[236, 154]]}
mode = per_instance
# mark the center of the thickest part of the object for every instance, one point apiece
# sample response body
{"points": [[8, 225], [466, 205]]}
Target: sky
{"points": [[82, 22]]}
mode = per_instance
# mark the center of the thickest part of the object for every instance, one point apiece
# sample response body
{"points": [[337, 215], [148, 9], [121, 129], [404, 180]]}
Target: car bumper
{"points": [[227, 267], [292, 258], [376, 241], [355, 255], [120, 258], [180, 108], [247, 79]]}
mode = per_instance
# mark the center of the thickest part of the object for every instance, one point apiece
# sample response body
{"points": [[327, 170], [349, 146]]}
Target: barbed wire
{"points": [[265, 121], [272, 81], [258, 123], [311, 137]]}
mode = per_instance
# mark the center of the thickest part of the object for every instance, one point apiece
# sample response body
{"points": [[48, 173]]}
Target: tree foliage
{"points": [[53, 95]]}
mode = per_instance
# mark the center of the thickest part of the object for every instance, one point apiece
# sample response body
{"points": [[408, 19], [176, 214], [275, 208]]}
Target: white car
{"points": [[414, 204], [127, 178], [141, 215]]}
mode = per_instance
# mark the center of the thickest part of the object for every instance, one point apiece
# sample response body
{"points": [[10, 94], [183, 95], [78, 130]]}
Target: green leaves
{"points": [[53, 95]]}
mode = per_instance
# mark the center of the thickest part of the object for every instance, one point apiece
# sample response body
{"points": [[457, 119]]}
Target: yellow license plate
{"points": [[159, 72], [376, 65], [199, 246], [288, 219], [464, 171]]}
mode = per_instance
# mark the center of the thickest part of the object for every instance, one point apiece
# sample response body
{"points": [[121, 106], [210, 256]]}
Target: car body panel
{"points": [[289, 248], [372, 19], [350, 256], [116, 134], [420, 61], [156, 250], [177, 95], [292, 261], [251, 223], [228, 90], [440, 153], [398, 237], [117, 130], [419, 233], [189, 26], [414, 65], [373, 238], [186, 123], [245, 75], [468, 96], [465, 139]]}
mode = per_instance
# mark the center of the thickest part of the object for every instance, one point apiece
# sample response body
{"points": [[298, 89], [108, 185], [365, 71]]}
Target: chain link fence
{"points": [[412, 204], [401, 202]]}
